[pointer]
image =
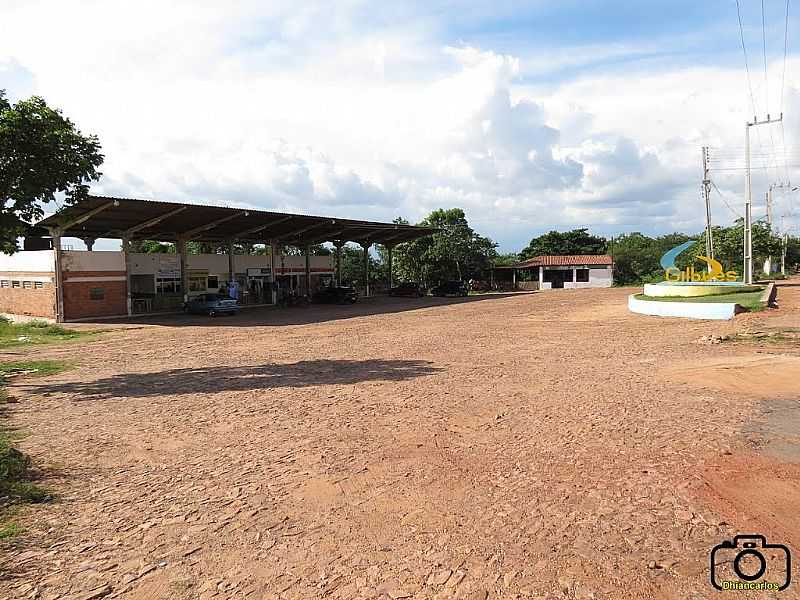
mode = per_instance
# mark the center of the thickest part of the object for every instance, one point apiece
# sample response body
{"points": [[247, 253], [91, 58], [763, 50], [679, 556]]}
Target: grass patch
{"points": [[32, 368], [749, 300], [36, 332], [15, 466], [10, 529]]}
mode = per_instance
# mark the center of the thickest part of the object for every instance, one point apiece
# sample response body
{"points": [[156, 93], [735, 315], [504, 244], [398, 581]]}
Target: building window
{"points": [[197, 284], [97, 294], [213, 282], [582, 275], [28, 285], [168, 285], [38, 285], [15, 284], [5, 283]]}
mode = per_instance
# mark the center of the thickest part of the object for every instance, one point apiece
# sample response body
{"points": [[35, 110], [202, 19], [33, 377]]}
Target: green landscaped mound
{"points": [[748, 300]]}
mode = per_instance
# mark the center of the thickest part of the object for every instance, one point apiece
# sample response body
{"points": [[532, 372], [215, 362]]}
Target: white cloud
{"points": [[325, 111]]}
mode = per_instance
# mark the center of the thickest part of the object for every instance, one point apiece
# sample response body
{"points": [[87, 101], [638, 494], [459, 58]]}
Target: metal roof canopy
{"points": [[118, 218]]}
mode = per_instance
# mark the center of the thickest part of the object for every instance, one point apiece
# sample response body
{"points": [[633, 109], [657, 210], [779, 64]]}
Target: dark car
{"points": [[335, 295], [407, 289], [211, 305], [451, 288]]}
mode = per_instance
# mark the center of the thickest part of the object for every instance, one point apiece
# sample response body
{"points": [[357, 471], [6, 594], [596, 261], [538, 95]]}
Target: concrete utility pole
{"points": [[774, 186], [707, 198], [748, 198], [783, 253]]}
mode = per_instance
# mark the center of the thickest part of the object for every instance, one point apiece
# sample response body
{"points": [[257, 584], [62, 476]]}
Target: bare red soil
{"points": [[546, 445]]}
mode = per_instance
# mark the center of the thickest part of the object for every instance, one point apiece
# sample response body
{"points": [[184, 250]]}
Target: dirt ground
{"points": [[546, 445]]}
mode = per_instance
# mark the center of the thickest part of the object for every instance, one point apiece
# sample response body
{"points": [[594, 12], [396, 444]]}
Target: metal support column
{"points": [[126, 254], [231, 268], [366, 246], [389, 249], [338, 246], [184, 263], [273, 250], [59, 275], [308, 271]]}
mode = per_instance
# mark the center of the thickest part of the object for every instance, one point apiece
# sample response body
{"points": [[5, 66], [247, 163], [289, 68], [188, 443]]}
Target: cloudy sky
{"points": [[529, 115]]}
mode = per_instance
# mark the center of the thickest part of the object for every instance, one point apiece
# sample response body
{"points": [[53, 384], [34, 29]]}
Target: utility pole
{"points": [[774, 186], [707, 197], [769, 202], [748, 199], [783, 253]]}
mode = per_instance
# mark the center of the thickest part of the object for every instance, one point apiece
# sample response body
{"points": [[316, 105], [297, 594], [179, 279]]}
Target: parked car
{"points": [[451, 288], [408, 289], [337, 294], [211, 305]]}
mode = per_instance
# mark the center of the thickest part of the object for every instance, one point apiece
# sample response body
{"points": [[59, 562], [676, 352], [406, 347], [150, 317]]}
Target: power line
{"points": [[730, 208], [785, 53], [746, 64], [766, 82], [783, 84], [764, 45]]}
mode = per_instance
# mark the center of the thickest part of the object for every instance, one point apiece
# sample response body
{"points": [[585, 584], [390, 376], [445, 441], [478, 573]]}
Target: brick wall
{"points": [[29, 302], [79, 303]]}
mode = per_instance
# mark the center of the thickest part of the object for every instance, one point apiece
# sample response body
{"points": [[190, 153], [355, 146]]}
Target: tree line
{"points": [[44, 156]]}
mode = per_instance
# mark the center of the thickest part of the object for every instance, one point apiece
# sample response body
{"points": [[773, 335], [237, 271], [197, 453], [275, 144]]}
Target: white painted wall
{"points": [[602, 277], [30, 261], [716, 311], [83, 260], [217, 264]]}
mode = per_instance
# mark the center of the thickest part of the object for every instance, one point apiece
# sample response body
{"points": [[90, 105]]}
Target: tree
{"points": [[151, 247], [353, 266], [792, 253], [42, 154], [728, 243], [453, 252], [577, 241]]}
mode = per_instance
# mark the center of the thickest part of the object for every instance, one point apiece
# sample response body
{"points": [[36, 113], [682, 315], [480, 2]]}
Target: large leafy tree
{"points": [[792, 253], [42, 154], [456, 251], [577, 241], [728, 245]]}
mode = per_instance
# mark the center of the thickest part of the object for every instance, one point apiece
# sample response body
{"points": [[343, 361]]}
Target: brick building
{"points": [[96, 282], [56, 283]]}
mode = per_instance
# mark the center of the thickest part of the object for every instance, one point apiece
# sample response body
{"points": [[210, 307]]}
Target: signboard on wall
{"points": [[256, 271], [168, 266]]}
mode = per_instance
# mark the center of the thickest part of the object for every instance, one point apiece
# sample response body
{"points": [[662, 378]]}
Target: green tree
{"points": [[577, 241], [456, 251], [637, 257], [353, 267], [151, 247], [42, 154], [792, 253], [506, 259], [728, 242]]}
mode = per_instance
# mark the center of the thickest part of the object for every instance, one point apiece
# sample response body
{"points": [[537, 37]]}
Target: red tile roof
{"points": [[566, 261]]}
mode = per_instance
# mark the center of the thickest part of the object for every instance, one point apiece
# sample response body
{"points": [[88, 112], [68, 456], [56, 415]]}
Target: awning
{"points": [[108, 217]]}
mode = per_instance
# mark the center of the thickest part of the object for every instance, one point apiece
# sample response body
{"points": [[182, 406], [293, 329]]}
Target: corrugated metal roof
{"points": [[109, 217]]}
